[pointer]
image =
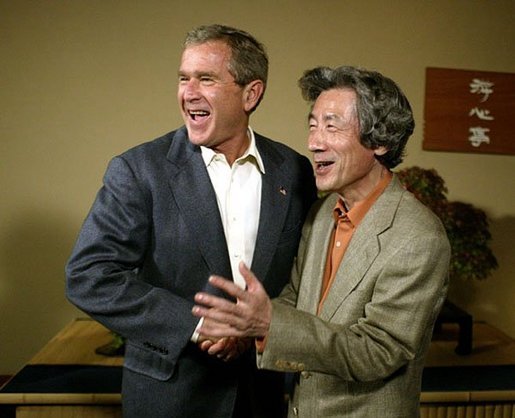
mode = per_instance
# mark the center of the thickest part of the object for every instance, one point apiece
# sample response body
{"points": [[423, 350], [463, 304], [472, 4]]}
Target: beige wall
{"points": [[84, 80]]}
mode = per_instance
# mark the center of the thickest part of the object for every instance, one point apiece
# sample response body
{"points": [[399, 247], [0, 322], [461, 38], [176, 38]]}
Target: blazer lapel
{"points": [[363, 248], [316, 254], [275, 200], [194, 195]]}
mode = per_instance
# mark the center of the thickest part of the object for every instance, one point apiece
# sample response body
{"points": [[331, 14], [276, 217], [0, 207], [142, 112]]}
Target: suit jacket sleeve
{"points": [[102, 271]]}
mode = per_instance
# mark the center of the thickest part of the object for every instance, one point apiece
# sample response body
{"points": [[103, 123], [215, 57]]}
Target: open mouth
{"points": [[322, 164], [197, 115]]}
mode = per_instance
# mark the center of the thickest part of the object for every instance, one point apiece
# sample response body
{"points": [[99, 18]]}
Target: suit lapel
{"points": [[195, 197], [363, 248], [316, 254], [275, 200]]}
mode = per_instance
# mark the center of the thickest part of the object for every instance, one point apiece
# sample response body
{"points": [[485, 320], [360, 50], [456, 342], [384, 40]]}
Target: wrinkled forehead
{"points": [[207, 56], [334, 105]]}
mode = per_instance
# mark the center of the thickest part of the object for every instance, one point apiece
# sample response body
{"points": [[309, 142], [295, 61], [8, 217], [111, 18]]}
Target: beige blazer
{"points": [[363, 355]]}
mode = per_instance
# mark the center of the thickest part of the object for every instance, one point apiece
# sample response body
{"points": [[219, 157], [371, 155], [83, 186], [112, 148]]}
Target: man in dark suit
{"points": [[178, 209], [356, 319]]}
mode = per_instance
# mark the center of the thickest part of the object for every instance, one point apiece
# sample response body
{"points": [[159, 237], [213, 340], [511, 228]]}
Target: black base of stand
{"points": [[451, 314]]}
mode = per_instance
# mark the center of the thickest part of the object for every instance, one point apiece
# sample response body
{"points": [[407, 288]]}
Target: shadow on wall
{"points": [[32, 302], [476, 296]]}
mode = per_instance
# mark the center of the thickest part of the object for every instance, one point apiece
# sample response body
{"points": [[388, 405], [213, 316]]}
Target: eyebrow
{"points": [[326, 118], [197, 74]]}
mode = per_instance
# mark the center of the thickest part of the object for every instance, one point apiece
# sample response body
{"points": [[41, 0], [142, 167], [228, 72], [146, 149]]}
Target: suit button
{"points": [[295, 411], [305, 375]]}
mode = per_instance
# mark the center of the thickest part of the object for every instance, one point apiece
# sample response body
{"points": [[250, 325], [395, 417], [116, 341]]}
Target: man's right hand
{"points": [[225, 348]]}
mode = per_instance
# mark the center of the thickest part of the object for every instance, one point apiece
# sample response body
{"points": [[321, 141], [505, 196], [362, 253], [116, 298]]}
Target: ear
{"points": [[252, 92], [380, 151]]}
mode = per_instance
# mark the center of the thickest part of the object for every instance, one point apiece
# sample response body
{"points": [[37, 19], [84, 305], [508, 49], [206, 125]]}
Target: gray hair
{"points": [[249, 60], [384, 113]]}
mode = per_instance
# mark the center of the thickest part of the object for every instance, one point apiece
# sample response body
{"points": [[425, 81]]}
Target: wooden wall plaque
{"points": [[469, 111]]}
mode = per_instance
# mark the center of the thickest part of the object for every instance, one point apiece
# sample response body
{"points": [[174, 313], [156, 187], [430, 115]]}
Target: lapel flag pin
{"points": [[282, 190]]}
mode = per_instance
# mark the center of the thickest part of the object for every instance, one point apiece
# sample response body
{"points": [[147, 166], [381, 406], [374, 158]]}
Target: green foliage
{"points": [[115, 347], [467, 226]]}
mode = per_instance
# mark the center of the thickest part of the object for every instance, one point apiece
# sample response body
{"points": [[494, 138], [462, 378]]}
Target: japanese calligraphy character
{"points": [[483, 114], [478, 136], [481, 87]]}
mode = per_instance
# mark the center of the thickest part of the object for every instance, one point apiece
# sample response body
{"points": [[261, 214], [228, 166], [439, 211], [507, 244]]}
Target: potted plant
{"points": [[467, 226], [469, 235]]}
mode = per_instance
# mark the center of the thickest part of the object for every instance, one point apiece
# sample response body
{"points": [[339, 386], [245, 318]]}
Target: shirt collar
{"points": [[360, 209], [208, 154]]}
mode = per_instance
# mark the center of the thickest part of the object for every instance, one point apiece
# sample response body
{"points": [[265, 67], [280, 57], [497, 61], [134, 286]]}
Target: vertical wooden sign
{"points": [[469, 111]]}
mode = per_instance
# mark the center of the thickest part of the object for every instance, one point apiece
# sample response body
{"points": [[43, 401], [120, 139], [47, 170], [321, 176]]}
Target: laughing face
{"points": [[341, 163], [213, 106]]}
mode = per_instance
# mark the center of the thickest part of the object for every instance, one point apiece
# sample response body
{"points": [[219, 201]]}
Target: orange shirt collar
{"points": [[360, 209]]}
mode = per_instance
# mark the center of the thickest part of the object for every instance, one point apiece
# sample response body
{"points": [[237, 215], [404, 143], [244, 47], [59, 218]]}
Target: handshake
{"points": [[228, 328]]}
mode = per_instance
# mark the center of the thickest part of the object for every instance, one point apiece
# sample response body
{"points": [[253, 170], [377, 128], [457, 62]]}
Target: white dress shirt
{"points": [[238, 193]]}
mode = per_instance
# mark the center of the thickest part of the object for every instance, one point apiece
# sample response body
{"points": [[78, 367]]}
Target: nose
{"points": [[314, 141], [189, 89]]}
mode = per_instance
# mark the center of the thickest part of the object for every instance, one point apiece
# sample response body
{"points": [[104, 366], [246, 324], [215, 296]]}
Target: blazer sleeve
{"points": [[103, 268]]}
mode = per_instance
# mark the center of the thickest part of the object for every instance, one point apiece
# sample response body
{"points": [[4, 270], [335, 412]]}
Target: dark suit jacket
{"points": [[150, 242], [362, 356]]}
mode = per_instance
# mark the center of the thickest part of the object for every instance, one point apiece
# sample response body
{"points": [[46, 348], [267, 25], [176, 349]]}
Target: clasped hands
{"points": [[229, 327]]}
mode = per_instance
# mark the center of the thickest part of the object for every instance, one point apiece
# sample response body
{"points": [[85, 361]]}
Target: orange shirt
{"points": [[346, 223]]}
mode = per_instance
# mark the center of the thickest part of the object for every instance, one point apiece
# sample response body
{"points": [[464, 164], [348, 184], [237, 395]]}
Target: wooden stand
{"points": [[452, 314]]}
